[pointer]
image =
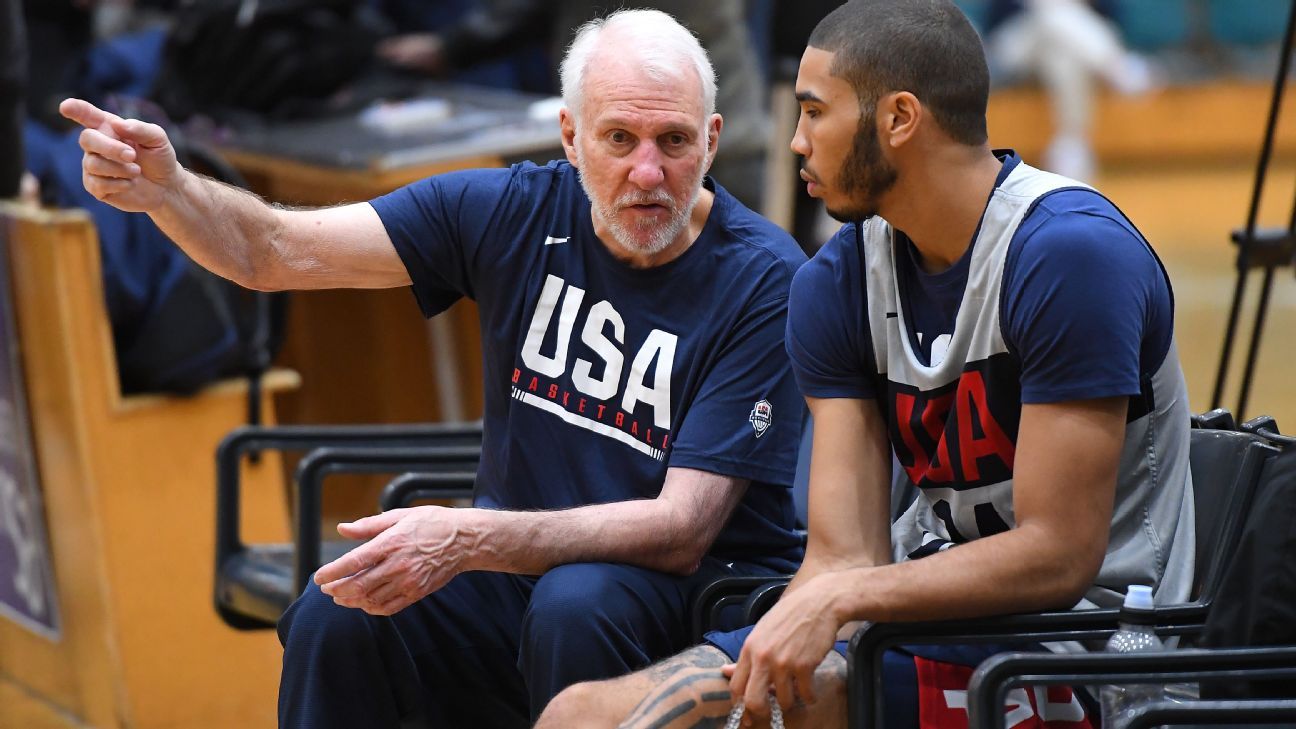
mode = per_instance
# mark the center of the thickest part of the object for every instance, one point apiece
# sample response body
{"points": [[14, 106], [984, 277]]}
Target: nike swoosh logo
{"points": [[550, 240]]}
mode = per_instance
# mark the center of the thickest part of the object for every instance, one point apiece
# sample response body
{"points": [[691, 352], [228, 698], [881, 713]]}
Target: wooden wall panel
{"points": [[129, 496]]}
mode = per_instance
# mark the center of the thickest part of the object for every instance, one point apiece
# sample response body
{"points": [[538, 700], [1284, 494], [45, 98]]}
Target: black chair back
{"points": [[1225, 470], [1256, 604]]}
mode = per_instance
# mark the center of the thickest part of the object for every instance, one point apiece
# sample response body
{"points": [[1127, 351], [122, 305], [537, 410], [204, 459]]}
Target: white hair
{"points": [[660, 45]]}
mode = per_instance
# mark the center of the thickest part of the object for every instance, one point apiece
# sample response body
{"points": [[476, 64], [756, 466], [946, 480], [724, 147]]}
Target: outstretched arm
{"points": [[132, 166], [413, 552]]}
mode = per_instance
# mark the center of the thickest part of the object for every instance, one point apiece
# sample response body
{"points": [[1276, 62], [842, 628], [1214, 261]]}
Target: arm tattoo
{"points": [[673, 678], [675, 713], [703, 656], [665, 693]]}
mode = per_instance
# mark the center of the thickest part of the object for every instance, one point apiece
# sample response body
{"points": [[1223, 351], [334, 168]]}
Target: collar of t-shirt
{"points": [[931, 300]]}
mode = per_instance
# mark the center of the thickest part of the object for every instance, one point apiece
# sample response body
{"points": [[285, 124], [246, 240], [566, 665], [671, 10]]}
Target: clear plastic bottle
{"points": [[1135, 635]]}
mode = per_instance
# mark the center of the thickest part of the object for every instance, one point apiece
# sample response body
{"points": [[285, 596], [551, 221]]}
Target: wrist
{"points": [[839, 595], [179, 192], [476, 541]]}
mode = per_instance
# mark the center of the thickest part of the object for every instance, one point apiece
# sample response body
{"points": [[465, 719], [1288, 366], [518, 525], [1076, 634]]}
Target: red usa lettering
{"points": [[935, 450], [942, 701], [1021, 707]]}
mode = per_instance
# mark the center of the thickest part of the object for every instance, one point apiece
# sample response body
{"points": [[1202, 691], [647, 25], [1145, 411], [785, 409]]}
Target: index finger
{"points": [[86, 114], [756, 697], [360, 558], [738, 675]]}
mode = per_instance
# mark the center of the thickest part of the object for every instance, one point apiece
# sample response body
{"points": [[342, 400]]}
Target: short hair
{"points": [[663, 47], [925, 47]]}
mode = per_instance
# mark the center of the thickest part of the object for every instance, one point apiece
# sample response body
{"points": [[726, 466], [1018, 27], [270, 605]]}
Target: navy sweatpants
{"points": [[487, 650]]}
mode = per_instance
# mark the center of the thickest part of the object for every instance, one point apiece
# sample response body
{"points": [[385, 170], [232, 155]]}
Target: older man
{"points": [[641, 419]]}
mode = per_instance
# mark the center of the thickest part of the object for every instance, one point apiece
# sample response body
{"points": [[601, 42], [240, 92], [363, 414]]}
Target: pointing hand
{"points": [[128, 164]]}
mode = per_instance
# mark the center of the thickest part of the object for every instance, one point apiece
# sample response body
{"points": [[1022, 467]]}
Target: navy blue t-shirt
{"points": [[1086, 305], [599, 376]]}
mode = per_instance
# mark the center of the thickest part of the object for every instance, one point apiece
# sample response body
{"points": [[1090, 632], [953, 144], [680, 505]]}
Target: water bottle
{"points": [[1134, 635]]}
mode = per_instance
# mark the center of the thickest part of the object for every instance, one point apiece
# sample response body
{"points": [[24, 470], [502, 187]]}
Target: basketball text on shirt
{"points": [[655, 353]]}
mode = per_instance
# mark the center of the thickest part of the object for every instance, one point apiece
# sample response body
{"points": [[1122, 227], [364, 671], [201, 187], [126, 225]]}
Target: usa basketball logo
{"points": [[761, 417]]}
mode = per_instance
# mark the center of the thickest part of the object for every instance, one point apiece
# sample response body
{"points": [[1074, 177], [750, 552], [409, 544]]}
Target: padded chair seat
{"points": [[258, 582]]}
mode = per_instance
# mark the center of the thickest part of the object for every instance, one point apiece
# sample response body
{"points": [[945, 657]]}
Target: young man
{"points": [[1007, 334], [641, 418]]}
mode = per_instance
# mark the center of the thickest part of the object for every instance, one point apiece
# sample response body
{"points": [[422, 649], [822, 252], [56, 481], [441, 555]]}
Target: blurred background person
{"points": [[501, 43], [490, 30], [1066, 44]]}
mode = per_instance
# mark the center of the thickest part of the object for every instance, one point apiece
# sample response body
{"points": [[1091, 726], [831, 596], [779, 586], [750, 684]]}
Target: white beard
{"points": [[660, 235]]}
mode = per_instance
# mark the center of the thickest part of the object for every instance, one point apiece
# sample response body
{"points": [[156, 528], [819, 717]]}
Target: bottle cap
{"points": [[1139, 597], [1138, 605]]}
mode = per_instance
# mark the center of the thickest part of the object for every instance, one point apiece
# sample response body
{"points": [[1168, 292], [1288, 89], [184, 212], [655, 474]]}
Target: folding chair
{"points": [[255, 583]]}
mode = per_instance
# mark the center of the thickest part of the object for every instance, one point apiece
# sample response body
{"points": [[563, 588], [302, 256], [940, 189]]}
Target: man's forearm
{"points": [[228, 231], [815, 565], [419, 550], [1007, 573], [643, 533], [670, 533]]}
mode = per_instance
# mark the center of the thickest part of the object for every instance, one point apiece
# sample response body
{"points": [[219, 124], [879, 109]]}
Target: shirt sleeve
{"points": [[746, 418], [1087, 309], [828, 335], [438, 226]]}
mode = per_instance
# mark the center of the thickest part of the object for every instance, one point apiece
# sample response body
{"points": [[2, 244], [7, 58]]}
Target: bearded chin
{"points": [[631, 238], [865, 175], [851, 215]]}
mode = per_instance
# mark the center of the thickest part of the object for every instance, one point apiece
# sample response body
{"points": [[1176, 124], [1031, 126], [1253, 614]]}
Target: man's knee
{"points": [[686, 697], [581, 599], [679, 690], [314, 616], [578, 707]]}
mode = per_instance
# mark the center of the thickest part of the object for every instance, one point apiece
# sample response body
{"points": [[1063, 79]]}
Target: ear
{"points": [[899, 116], [714, 125], [567, 129]]}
